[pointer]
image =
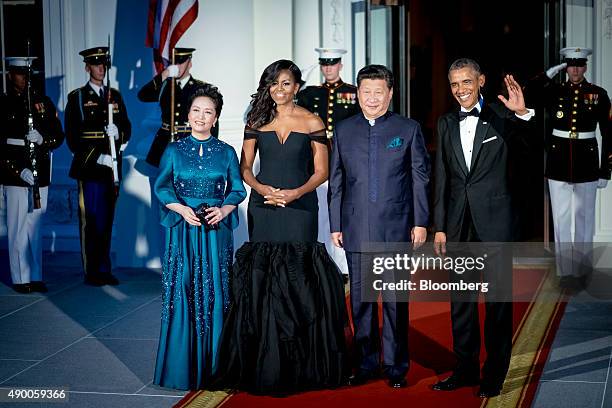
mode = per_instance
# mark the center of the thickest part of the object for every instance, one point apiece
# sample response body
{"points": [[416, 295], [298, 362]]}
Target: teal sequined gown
{"points": [[196, 263]]}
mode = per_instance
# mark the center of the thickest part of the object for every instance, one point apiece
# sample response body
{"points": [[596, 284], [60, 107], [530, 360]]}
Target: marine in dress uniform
{"points": [[158, 90], [17, 168], [575, 166], [87, 135], [333, 100]]}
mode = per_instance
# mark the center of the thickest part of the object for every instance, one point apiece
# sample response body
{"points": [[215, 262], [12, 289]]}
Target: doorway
{"points": [[419, 39]]}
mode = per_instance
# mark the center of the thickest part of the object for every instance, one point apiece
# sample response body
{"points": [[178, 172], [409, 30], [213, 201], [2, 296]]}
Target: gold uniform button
{"points": [[329, 120], [330, 111], [330, 127], [575, 105], [576, 98], [574, 112], [331, 90], [331, 105], [576, 91], [574, 128], [178, 105], [176, 114], [573, 120], [331, 97], [316, 106]]}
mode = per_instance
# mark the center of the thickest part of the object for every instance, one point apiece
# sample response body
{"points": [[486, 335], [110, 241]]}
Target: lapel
{"points": [[455, 136], [484, 122]]}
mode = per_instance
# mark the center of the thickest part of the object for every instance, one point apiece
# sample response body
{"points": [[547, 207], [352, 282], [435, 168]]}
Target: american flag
{"points": [[168, 21]]}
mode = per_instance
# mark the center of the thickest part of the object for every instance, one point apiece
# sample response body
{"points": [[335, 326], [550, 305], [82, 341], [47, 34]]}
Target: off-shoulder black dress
{"points": [[285, 329]]}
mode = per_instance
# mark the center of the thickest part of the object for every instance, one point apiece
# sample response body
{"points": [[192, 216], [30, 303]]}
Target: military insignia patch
{"points": [[559, 114], [90, 103]]}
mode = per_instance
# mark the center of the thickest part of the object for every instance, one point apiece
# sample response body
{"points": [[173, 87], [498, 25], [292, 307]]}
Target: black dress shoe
{"points": [[22, 288], [38, 286], [570, 283], [455, 381], [489, 391], [361, 377], [111, 280], [397, 382], [94, 280]]}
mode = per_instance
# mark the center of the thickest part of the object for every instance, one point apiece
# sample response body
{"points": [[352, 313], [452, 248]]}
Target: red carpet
{"points": [[431, 360]]}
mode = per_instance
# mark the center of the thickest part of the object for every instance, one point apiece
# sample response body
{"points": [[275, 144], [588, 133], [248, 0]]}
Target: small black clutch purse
{"points": [[200, 212]]}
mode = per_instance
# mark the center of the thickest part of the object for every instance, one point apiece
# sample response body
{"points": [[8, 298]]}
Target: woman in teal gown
{"points": [[197, 261]]}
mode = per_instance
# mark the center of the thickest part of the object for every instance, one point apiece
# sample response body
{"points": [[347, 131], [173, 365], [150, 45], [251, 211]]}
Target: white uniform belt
{"points": [[15, 142], [573, 135], [177, 128]]}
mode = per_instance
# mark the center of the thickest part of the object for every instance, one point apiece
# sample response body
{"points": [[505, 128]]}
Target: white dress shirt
{"points": [[467, 129], [183, 81], [96, 88]]}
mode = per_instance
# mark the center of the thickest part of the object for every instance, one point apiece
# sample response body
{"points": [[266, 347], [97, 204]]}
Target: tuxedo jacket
{"points": [[485, 188], [378, 180]]}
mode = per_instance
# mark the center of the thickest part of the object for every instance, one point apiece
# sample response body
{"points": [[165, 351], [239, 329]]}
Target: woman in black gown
{"points": [[285, 331]]}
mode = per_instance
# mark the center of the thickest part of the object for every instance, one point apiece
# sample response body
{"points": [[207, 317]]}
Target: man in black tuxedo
{"points": [[472, 203]]}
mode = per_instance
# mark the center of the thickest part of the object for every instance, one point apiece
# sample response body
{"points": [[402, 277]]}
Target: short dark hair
{"points": [[464, 63], [375, 72], [209, 91]]}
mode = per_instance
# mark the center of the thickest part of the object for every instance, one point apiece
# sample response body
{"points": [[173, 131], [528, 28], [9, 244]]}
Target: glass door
{"points": [[379, 37]]}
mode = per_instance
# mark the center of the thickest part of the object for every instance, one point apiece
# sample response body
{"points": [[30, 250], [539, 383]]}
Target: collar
{"points": [[95, 87], [478, 105], [184, 81], [378, 120], [578, 85], [334, 85]]}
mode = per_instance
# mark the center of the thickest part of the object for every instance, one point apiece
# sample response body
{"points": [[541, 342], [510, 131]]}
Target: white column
{"points": [[600, 69], [272, 32], [338, 33], [306, 35]]}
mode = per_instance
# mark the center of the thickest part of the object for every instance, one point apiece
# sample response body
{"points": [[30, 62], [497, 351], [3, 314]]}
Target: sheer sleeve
{"points": [[164, 189], [250, 133], [235, 192], [319, 136]]}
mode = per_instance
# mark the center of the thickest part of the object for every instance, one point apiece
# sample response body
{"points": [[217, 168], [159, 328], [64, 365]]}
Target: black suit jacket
{"points": [[500, 134]]}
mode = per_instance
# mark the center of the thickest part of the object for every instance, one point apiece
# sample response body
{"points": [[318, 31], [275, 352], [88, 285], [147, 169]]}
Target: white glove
{"points": [[552, 71], [113, 131], [173, 71], [602, 183], [35, 136], [105, 160], [27, 176]]}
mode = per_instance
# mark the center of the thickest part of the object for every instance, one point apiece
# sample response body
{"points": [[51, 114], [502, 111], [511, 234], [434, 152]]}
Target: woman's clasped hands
{"points": [[279, 197], [214, 214]]}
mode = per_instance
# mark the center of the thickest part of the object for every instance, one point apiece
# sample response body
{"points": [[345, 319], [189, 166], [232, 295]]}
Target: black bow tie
{"points": [[473, 112]]}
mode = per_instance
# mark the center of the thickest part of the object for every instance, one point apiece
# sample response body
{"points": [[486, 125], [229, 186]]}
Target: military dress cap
{"points": [[95, 55], [575, 56], [182, 54], [19, 63], [330, 56]]}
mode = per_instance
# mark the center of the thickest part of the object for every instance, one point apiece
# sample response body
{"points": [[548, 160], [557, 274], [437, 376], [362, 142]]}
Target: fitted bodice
{"points": [[199, 177], [288, 164]]}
